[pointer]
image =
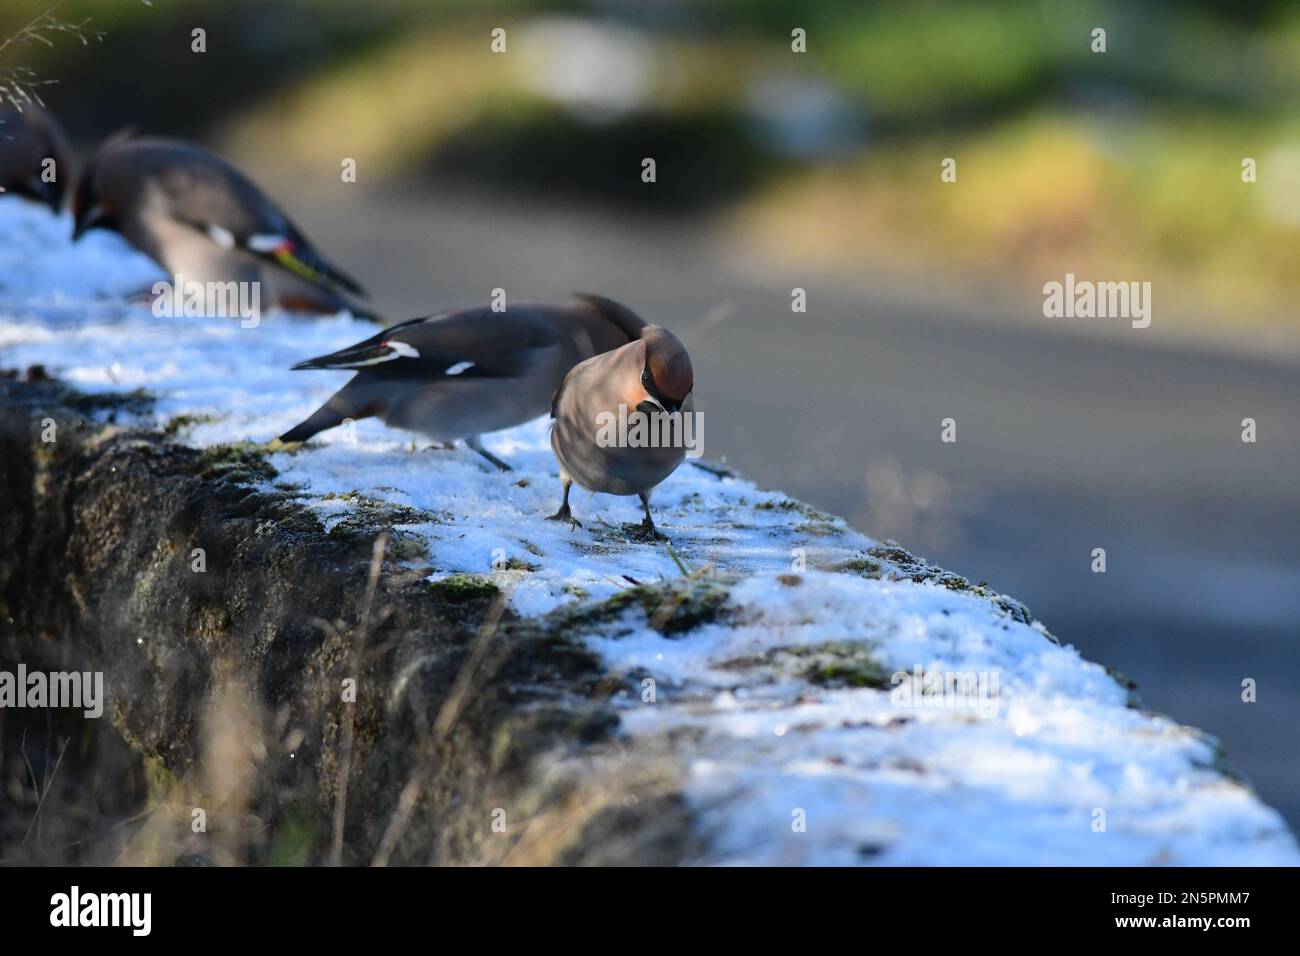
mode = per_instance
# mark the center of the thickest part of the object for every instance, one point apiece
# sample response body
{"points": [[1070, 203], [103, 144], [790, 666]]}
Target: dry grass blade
{"points": [[447, 715], [18, 83], [349, 721], [43, 791]]}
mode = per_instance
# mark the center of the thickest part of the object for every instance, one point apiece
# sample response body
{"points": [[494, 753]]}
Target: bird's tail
{"points": [[321, 419], [341, 407], [619, 315], [372, 351]]}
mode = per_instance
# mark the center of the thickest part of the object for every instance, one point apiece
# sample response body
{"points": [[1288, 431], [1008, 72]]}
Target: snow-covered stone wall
{"points": [[810, 695]]}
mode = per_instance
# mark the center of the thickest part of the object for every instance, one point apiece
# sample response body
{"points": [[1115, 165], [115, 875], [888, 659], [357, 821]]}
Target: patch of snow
{"points": [[786, 770], [1017, 782]]}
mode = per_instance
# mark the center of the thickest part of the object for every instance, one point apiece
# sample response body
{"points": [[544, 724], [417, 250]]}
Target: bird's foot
{"points": [[565, 515], [145, 296], [489, 456], [435, 446], [501, 465], [645, 531]]}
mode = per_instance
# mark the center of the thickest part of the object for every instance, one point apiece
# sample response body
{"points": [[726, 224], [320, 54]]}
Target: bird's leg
{"points": [[476, 443], [144, 296], [564, 514], [646, 530]]}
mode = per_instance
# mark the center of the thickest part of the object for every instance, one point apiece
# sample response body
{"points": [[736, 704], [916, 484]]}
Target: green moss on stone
{"points": [[368, 516], [852, 673], [409, 548], [672, 608], [817, 529], [864, 567], [179, 423], [294, 837], [242, 462], [830, 664], [135, 402], [463, 588], [916, 569], [519, 564], [790, 506]]}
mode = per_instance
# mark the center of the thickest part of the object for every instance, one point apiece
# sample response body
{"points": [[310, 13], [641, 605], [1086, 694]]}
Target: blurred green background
{"points": [[1127, 161]]}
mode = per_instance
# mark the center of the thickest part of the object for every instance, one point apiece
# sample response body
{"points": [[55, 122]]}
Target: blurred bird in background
{"points": [[34, 159], [198, 216]]}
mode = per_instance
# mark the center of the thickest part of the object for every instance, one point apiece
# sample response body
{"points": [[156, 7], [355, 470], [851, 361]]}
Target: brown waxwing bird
{"points": [[198, 216], [462, 374], [29, 140], [651, 375]]}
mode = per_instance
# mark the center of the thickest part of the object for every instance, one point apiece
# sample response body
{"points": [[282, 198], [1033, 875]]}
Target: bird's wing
{"points": [[474, 343], [581, 370], [218, 200], [555, 399]]}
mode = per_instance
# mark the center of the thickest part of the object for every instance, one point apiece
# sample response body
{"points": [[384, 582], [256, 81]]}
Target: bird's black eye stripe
{"points": [[648, 383]]}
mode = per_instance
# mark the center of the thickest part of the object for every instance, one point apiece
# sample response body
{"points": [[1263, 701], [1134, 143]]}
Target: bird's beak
{"points": [[652, 405], [41, 191], [53, 197], [92, 218]]}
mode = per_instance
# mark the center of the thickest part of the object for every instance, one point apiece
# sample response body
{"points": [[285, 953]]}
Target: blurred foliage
{"points": [[1043, 195], [1123, 161]]}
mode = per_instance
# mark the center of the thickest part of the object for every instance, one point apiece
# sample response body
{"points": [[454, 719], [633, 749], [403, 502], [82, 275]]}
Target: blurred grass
{"points": [[452, 107], [1125, 164], [1042, 195], [429, 85]]}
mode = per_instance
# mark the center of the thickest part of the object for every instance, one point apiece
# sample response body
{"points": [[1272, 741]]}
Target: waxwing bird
{"points": [[199, 217], [651, 375], [459, 375], [34, 159]]}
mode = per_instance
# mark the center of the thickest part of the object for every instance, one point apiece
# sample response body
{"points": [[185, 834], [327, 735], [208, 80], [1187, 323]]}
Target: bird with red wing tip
{"points": [[462, 374], [34, 161], [652, 376], [198, 216]]}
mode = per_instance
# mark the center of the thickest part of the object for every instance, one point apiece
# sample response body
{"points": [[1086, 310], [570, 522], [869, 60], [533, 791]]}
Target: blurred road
{"points": [[1070, 436]]}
